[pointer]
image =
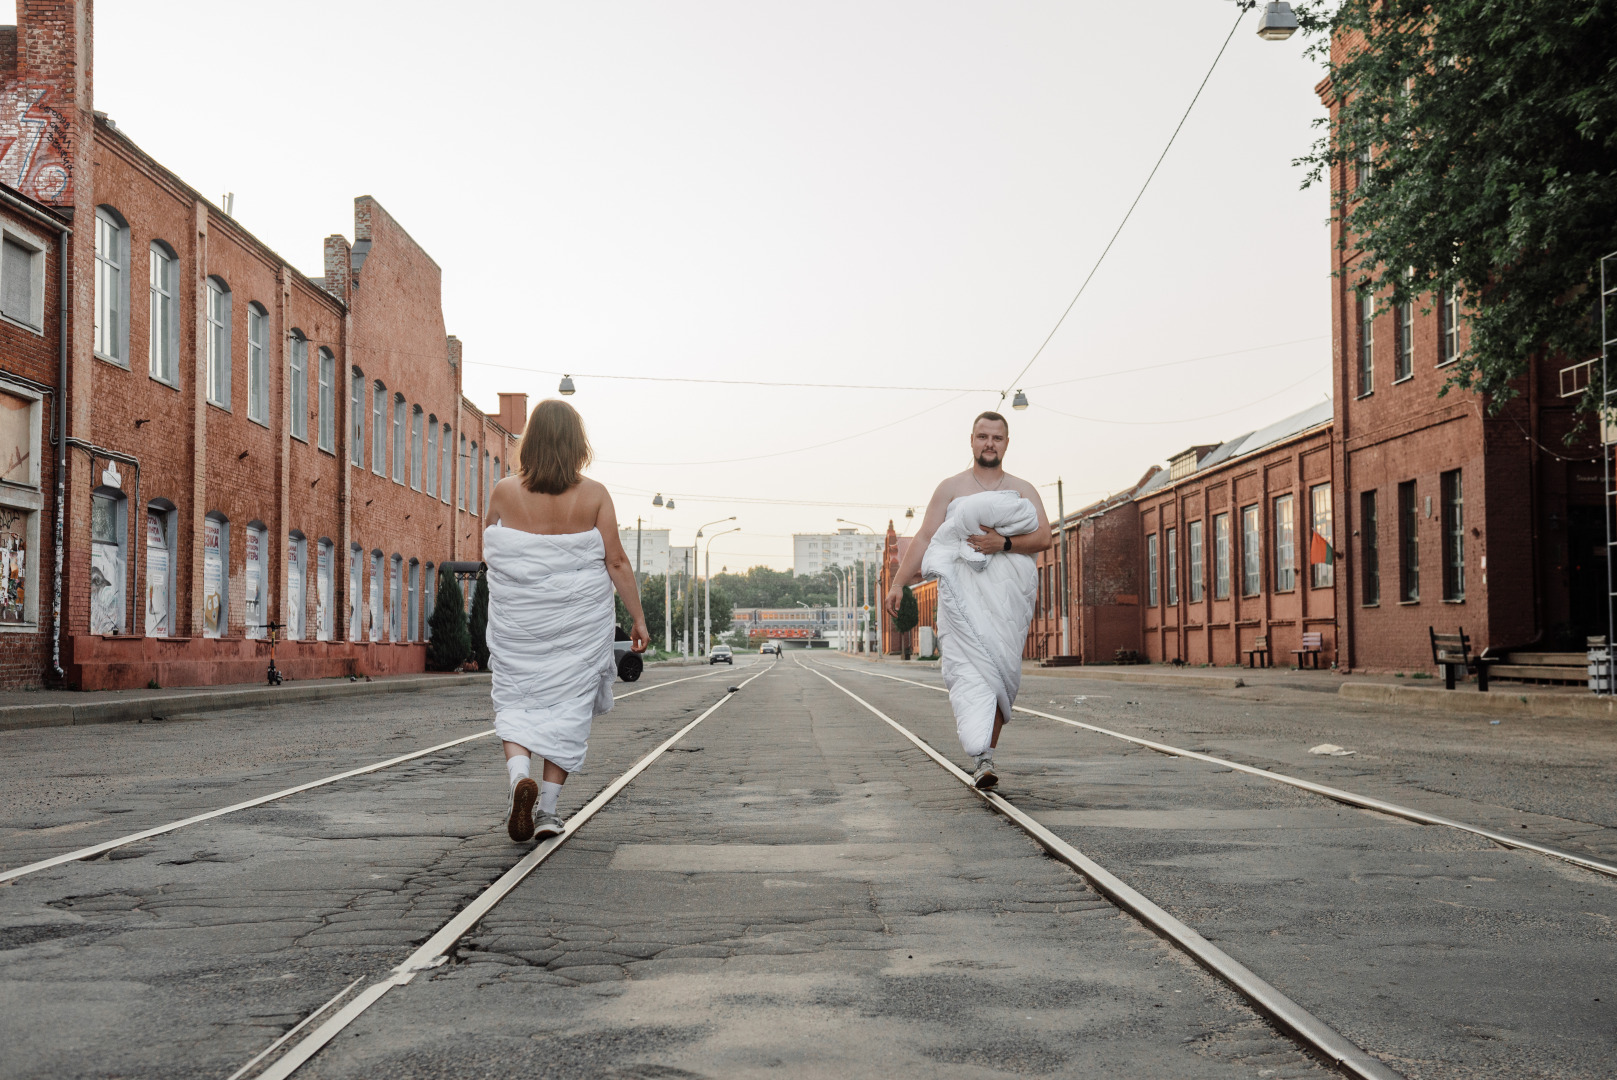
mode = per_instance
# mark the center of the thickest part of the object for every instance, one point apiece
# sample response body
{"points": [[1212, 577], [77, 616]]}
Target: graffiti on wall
{"points": [[34, 151]]}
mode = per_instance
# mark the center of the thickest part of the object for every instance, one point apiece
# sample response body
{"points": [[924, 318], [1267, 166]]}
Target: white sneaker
{"points": [[984, 775], [546, 826]]}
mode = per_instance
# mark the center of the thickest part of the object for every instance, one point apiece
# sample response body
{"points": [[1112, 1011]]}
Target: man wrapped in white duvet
{"points": [[553, 558], [981, 531]]}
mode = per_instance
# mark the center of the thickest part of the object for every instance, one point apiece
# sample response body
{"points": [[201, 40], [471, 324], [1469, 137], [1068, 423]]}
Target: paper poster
{"points": [[294, 592], [376, 626], [159, 622], [322, 593], [253, 596], [13, 565], [106, 568], [213, 597]]}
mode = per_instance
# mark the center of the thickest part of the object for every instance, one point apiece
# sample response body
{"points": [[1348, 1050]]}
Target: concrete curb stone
{"points": [[1501, 700]]}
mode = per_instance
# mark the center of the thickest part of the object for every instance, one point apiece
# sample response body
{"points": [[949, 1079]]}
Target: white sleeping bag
{"points": [[550, 619], [985, 603]]}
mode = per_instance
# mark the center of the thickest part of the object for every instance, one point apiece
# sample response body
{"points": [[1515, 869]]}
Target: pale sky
{"points": [[902, 194]]}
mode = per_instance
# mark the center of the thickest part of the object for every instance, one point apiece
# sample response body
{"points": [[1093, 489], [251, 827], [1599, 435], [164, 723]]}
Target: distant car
{"points": [[721, 655], [769, 647]]}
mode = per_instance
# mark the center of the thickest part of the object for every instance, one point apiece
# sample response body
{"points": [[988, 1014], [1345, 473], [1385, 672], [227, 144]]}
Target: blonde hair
{"points": [[554, 449]]}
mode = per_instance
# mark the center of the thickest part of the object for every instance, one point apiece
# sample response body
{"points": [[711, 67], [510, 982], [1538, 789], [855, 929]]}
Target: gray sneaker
{"points": [[547, 825], [519, 816], [984, 775]]}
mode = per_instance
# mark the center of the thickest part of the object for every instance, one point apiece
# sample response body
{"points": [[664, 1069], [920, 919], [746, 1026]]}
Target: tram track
{"points": [[1287, 1014], [1348, 798], [94, 850]]}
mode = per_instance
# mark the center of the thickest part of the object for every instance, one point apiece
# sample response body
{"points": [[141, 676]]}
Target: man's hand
{"points": [[988, 541], [895, 596], [639, 637]]}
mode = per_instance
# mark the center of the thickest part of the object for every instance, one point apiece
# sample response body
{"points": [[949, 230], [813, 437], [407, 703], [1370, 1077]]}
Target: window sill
{"points": [[1408, 603], [34, 327], [212, 404], [159, 380], [304, 439], [1366, 394], [264, 423], [1447, 363], [1407, 378], [1284, 592], [20, 628], [1374, 605], [1461, 600], [326, 450]]}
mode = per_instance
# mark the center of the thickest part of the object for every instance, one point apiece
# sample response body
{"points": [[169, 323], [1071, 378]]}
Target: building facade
{"points": [[814, 553]]}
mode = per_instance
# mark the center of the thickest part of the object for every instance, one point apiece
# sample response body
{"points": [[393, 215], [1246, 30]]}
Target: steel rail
{"points": [[1364, 802], [146, 834], [1271, 1002], [436, 949]]}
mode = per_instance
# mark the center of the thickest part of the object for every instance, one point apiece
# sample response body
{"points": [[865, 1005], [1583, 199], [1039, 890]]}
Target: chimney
{"points": [[337, 266], [514, 413], [453, 344], [47, 93]]}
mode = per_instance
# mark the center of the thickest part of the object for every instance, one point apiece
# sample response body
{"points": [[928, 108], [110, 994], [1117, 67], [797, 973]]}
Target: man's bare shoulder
{"points": [[953, 487], [1027, 490]]}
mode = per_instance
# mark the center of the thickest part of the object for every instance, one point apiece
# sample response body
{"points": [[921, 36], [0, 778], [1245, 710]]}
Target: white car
{"points": [[769, 647]]}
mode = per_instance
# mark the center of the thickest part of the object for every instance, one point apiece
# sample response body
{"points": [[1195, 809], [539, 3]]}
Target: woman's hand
{"points": [[895, 596], [639, 637]]}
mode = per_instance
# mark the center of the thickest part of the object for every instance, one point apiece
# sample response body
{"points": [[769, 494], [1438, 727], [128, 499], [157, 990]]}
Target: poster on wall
{"points": [[213, 597], [254, 580], [294, 591], [322, 593], [13, 568], [376, 600], [106, 568], [158, 620]]}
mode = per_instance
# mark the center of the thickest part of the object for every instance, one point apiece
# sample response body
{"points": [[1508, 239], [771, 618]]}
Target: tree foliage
{"points": [[451, 642], [723, 611], [1491, 130], [766, 588], [479, 625], [651, 603]]}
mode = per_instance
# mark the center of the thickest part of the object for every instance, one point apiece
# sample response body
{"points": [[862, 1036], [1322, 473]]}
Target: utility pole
{"points": [[685, 599], [1061, 567], [668, 604]]}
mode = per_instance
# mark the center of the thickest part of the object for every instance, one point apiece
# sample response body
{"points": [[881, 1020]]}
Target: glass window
{"points": [[255, 575], [488, 485], [412, 630], [323, 605], [1173, 566], [215, 579], [356, 411], [1408, 542], [163, 344], [1251, 552], [379, 429], [429, 597], [327, 403], [160, 571], [377, 628], [1221, 557], [218, 343], [257, 376], [1367, 343], [1404, 342], [416, 445], [446, 471], [111, 270], [1369, 548], [297, 566], [1195, 555], [1453, 536], [432, 456], [471, 483], [399, 460], [107, 563], [1285, 545], [17, 281], [356, 586], [395, 596], [1322, 541], [298, 386], [1448, 313], [1151, 570], [460, 494]]}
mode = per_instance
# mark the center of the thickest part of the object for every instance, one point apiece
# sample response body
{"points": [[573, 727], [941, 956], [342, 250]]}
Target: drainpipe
{"points": [[63, 235]]}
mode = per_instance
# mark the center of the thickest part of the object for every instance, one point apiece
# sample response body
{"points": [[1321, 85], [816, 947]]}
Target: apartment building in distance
{"points": [[814, 553]]}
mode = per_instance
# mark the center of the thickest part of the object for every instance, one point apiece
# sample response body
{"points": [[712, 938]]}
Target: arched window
{"points": [[412, 631], [416, 420], [446, 473], [432, 456], [218, 342], [215, 575], [471, 487], [255, 578], [356, 411], [487, 499], [163, 335], [161, 520], [488, 482], [398, 438], [395, 598], [323, 607], [108, 530], [429, 598], [327, 402], [111, 286], [376, 631], [460, 494], [379, 428], [297, 571], [356, 592], [298, 388]]}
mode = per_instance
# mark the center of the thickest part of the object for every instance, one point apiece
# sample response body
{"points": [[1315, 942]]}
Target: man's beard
{"points": [[986, 462]]}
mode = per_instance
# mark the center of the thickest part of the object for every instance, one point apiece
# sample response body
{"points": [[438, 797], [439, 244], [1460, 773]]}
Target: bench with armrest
{"points": [[1452, 653], [1313, 645], [1258, 654]]}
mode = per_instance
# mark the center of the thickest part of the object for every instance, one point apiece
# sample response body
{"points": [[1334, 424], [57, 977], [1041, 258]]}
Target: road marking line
{"points": [[1285, 1012], [1337, 794], [97, 849], [435, 951]]}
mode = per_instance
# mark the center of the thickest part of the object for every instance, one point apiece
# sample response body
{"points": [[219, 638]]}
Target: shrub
{"points": [[451, 643]]}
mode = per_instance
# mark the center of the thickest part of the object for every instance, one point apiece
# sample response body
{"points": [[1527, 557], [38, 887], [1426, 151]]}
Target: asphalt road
{"points": [[794, 889]]}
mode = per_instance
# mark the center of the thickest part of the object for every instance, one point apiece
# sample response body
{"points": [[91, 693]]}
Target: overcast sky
{"points": [[904, 194]]}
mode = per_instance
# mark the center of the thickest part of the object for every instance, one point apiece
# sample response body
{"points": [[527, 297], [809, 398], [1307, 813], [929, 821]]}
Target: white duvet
{"points": [[985, 603], [550, 619]]}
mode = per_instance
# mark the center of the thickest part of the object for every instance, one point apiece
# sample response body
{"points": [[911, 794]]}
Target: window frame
{"points": [[326, 404], [163, 309], [357, 385], [297, 397], [1223, 556], [1152, 577], [1408, 542], [1369, 548], [38, 251], [1403, 341], [1285, 534], [1367, 343], [430, 480], [400, 432], [379, 428], [417, 446], [1194, 561], [218, 318], [1448, 330], [111, 286], [222, 527], [1252, 550], [1451, 491], [1317, 579], [446, 471]]}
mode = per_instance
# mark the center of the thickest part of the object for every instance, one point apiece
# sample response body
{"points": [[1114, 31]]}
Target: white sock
{"points": [[547, 796], [518, 767]]}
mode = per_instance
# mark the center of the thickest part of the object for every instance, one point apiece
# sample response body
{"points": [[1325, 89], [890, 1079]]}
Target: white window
{"points": [[22, 278], [460, 495], [375, 632], [395, 594], [356, 589], [399, 460], [22, 501], [412, 631], [160, 567], [215, 575], [379, 429], [328, 400], [356, 410], [298, 388], [255, 579], [257, 373], [432, 456], [446, 474], [471, 488], [323, 608], [297, 566], [488, 482], [163, 335], [107, 561], [218, 343], [416, 420], [111, 285], [429, 597]]}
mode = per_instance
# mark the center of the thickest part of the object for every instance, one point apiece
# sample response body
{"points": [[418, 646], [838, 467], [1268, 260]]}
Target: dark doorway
{"points": [[1586, 572]]}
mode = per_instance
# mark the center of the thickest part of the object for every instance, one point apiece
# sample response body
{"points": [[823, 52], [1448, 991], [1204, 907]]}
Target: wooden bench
{"points": [[1259, 649], [1452, 652], [1313, 645]]}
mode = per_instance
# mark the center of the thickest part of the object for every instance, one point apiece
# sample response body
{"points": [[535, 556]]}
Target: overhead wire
{"points": [[1177, 363], [1186, 419], [1130, 212], [739, 382]]}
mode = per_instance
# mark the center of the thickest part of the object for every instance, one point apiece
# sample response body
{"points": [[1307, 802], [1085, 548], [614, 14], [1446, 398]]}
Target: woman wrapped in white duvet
{"points": [[553, 558]]}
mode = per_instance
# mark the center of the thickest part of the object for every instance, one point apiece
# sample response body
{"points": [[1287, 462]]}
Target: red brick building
{"points": [[245, 446]]}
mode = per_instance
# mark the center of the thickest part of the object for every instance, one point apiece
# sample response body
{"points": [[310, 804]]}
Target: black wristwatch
{"points": [[1007, 543]]}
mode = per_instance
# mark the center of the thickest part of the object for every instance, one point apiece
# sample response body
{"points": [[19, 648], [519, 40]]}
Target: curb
{"points": [[1154, 678], [1496, 702], [14, 717]]}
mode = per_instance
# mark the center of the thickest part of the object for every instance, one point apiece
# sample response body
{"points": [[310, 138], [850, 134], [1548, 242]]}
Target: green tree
{"points": [[1475, 150], [479, 622], [723, 611], [451, 642], [909, 615], [621, 614], [651, 602]]}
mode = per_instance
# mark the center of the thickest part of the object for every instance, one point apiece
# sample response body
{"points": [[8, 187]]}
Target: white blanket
{"points": [[985, 603], [550, 619]]}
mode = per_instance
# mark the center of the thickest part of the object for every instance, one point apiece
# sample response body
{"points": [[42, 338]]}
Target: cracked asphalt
{"points": [[795, 890]]}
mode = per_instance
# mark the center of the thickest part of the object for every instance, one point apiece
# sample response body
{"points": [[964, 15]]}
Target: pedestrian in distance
{"points": [[554, 558], [978, 538]]}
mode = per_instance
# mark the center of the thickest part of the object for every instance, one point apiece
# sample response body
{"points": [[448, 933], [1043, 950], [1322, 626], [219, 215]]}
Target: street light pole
{"points": [[695, 566], [707, 597]]}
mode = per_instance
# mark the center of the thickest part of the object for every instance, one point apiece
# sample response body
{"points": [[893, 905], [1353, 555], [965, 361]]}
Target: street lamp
{"points": [[657, 500], [568, 390], [1019, 402], [865, 569], [1278, 22], [707, 596], [720, 521]]}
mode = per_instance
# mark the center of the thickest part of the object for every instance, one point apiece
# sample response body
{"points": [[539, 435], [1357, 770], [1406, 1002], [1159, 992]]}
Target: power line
{"points": [[1182, 420], [741, 382], [1130, 213], [1176, 363]]}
